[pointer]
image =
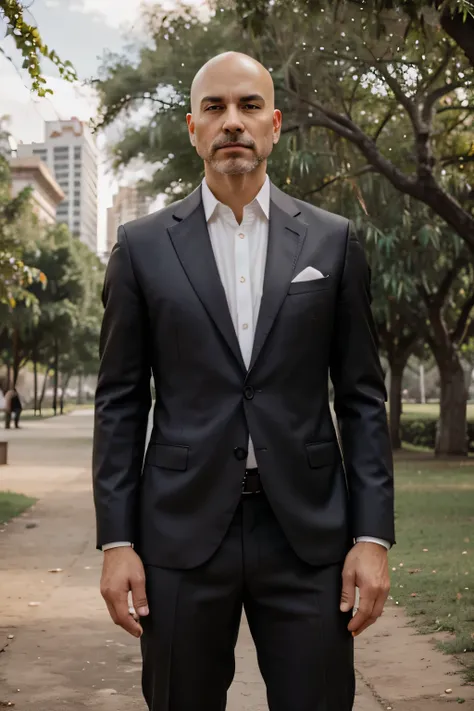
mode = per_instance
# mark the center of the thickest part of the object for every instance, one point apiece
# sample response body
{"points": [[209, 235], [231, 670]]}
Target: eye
{"points": [[213, 106], [251, 106]]}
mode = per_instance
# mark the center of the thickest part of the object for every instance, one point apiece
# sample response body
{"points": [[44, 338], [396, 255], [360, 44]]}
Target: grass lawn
{"points": [[48, 412], [13, 504], [431, 410], [433, 561]]}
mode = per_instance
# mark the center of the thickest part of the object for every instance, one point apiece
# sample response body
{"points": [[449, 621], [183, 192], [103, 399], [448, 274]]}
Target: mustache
{"points": [[237, 140]]}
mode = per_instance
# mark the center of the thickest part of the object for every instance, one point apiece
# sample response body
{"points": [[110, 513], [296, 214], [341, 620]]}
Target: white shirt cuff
{"points": [[116, 544], [371, 539]]}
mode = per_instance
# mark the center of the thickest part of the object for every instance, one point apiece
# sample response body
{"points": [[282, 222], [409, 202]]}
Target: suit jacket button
{"points": [[240, 453], [248, 392]]}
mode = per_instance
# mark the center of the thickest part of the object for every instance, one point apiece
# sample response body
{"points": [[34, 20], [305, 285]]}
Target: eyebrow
{"points": [[242, 100]]}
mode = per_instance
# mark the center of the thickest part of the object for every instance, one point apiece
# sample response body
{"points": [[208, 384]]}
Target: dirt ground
{"points": [[63, 653]]}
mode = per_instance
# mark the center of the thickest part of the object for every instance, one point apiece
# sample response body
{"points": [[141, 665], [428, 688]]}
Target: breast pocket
{"points": [[305, 287]]}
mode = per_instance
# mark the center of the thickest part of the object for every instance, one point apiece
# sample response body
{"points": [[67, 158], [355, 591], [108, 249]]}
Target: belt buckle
{"points": [[247, 493]]}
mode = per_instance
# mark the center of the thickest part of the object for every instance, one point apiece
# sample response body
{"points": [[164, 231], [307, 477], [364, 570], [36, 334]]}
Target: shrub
{"points": [[422, 432]]}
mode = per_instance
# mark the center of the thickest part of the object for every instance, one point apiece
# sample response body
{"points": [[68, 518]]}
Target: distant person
{"points": [[13, 408], [241, 300]]}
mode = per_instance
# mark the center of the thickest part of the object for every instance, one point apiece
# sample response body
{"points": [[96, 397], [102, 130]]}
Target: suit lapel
{"points": [[285, 240], [191, 241]]}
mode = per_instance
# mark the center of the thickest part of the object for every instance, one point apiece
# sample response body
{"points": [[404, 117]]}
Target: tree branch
{"points": [[450, 160], [344, 176], [460, 331], [433, 78], [383, 123], [430, 101], [443, 109], [399, 94], [439, 297]]}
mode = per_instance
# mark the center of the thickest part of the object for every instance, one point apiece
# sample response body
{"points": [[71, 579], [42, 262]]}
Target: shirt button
{"points": [[242, 279], [245, 326], [241, 235]]}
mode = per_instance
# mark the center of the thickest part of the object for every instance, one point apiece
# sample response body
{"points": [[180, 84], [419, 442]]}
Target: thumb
{"points": [[140, 602], [348, 590]]}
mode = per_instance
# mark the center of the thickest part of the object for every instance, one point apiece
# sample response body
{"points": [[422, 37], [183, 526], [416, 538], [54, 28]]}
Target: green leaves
{"points": [[28, 41]]}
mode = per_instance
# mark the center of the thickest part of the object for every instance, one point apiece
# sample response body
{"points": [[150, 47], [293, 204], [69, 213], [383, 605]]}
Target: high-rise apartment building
{"points": [[70, 153], [128, 204]]}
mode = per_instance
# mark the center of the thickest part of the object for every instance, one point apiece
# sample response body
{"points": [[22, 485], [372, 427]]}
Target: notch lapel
{"points": [[192, 243], [285, 240]]}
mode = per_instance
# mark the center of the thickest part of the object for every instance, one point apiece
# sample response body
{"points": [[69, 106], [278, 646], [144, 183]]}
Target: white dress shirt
{"points": [[240, 252]]}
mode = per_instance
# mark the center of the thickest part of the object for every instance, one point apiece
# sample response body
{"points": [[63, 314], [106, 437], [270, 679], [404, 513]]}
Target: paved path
{"points": [[66, 654]]}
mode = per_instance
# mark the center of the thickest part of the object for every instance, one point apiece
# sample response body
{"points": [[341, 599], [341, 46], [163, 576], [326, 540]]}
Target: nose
{"points": [[233, 121]]}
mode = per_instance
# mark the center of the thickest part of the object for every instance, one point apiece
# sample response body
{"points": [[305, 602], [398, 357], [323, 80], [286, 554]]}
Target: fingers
{"points": [[139, 598], [120, 614], [370, 609], [348, 589], [123, 571], [363, 616]]}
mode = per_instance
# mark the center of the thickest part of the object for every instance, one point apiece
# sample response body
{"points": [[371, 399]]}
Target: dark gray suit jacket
{"points": [[166, 313]]}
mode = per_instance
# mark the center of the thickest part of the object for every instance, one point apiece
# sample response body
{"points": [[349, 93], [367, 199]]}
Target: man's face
{"points": [[233, 124]]}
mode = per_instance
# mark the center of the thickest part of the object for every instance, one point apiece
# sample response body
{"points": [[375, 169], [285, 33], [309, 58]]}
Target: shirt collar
{"points": [[211, 203]]}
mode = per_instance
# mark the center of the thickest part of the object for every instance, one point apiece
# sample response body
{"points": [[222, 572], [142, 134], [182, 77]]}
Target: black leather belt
{"points": [[251, 482]]}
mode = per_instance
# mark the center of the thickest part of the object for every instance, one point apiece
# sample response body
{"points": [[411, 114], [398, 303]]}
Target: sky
{"points": [[81, 31]]}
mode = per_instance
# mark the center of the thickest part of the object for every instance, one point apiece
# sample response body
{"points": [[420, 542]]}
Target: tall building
{"points": [[46, 194], [70, 153], [128, 204]]}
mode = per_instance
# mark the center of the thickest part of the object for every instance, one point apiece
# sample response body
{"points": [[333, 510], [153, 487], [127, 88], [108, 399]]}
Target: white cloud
{"points": [[120, 13]]}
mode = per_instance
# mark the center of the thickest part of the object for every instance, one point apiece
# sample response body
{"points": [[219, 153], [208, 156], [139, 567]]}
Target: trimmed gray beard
{"points": [[235, 166]]}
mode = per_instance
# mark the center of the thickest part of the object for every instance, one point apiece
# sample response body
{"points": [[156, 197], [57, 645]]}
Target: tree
{"points": [[61, 332], [425, 293], [29, 42], [333, 72], [455, 17], [18, 227], [326, 166], [67, 305]]}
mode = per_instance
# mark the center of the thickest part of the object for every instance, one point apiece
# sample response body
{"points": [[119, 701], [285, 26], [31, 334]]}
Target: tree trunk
{"points": [[43, 389], [79, 389], [9, 372], [16, 355], [395, 402], [422, 384], [451, 436], [56, 377], [35, 381], [64, 385], [460, 28]]}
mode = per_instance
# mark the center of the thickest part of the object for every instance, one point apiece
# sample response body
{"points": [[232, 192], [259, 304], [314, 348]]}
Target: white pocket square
{"points": [[308, 274]]}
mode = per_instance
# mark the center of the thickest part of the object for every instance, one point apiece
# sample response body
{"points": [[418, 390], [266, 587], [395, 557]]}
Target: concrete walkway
{"points": [[64, 653]]}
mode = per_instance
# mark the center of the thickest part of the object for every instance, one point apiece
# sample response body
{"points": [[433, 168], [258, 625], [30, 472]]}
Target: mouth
{"points": [[228, 146]]}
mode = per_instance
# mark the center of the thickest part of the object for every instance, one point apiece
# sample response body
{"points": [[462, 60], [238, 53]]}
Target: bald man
{"points": [[239, 300]]}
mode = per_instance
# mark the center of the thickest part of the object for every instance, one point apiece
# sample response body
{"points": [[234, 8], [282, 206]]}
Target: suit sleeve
{"points": [[359, 401], [122, 400]]}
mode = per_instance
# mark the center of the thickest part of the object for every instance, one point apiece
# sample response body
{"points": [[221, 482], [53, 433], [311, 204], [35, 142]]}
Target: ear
{"points": [[192, 135], [277, 121]]}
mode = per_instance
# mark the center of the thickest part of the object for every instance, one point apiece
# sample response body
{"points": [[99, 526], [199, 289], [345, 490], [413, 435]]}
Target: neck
{"points": [[236, 191]]}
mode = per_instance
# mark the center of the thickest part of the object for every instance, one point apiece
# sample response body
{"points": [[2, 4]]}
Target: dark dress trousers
{"points": [[206, 549]]}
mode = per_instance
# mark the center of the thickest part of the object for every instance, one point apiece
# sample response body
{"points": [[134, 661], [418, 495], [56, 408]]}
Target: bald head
{"points": [[228, 69], [233, 122]]}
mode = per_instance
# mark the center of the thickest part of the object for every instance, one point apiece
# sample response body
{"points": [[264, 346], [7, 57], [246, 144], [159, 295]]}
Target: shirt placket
{"points": [[244, 293]]}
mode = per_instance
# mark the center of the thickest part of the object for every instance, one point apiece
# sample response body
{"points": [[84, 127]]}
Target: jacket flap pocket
{"points": [[321, 454], [169, 456], [302, 287]]}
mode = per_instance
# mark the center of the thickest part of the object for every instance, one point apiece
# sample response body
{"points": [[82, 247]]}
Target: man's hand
{"points": [[123, 571], [366, 567]]}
